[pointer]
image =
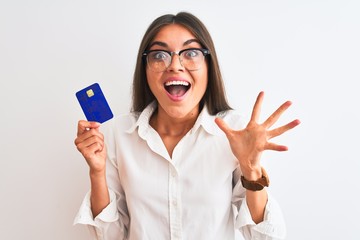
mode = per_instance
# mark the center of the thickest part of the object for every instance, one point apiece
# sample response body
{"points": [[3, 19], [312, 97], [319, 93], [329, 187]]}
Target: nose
{"points": [[175, 64]]}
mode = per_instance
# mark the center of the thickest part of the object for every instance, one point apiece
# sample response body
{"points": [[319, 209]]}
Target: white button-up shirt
{"points": [[194, 195]]}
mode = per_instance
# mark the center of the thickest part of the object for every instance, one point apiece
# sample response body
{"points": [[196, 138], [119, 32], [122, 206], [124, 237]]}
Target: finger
{"points": [[280, 130], [91, 151], [275, 147], [93, 132], [89, 142], [85, 125], [275, 116], [257, 107], [223, 126], [96, 146], [88, 134]]}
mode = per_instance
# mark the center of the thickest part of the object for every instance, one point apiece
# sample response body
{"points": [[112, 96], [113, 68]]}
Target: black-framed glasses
{"points": [[191, 58]]}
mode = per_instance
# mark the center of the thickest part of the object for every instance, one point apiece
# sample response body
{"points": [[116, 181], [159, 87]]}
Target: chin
{"points": [[181, 112]]}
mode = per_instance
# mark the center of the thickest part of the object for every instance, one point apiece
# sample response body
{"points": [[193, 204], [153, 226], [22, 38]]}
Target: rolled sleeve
{"points": [[99, 225], [272, 227], [108, 214]]}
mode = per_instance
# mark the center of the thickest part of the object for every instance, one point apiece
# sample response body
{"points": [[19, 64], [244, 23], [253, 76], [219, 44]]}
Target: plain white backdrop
{"points": [[305, 51]]}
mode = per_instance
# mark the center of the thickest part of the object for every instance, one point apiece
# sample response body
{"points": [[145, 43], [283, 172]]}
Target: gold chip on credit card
{"points": [[90, 93]]}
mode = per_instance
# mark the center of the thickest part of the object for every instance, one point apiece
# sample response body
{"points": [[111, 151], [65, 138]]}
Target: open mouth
{"points": [[177, 88]]}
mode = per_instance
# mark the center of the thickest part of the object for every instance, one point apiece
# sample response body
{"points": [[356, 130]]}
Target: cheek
{"points": [[202, 80], [152, 80], [149, 75]]}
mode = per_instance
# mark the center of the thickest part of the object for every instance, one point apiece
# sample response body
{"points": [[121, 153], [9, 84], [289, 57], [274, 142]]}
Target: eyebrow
{"points": [[162, 44]]}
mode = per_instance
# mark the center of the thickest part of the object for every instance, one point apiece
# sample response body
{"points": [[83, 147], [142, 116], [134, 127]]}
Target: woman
{"points": [[178, 167]]}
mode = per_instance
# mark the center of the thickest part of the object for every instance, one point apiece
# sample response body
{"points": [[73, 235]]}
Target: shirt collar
{"points": [[207, 122], [143, 119], [204, 120]]}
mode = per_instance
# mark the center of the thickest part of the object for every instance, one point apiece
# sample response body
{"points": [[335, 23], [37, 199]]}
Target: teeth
{"points": [[177, 83]]}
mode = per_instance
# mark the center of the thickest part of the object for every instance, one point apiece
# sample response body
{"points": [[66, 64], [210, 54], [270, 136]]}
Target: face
{"points": [[177, 90]]}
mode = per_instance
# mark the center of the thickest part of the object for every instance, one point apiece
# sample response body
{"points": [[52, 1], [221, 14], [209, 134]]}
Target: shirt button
{"points": [[174, 202]]}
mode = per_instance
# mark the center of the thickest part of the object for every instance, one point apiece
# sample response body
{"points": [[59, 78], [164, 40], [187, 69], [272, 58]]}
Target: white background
{"points": [[305, 51]]}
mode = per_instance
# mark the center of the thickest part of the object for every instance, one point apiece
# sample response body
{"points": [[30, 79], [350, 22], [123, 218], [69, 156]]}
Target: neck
{"points": [[170, 126]]}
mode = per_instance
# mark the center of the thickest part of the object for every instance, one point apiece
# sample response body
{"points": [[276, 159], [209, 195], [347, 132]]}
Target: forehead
{"points": [[174, 35]]}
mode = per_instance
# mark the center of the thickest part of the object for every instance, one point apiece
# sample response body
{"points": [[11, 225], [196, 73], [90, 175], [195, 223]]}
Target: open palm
{"points": [[248, 144]]}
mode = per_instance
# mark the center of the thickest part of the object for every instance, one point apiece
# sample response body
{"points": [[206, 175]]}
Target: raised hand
{"points": [[248, 144], [90, 143]]}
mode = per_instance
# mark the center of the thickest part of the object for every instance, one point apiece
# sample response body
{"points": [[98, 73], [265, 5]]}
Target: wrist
{"points": [[97, 175], [258, 184], [251, 173]]}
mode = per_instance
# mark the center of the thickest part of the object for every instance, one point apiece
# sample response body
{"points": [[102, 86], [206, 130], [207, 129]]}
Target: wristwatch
{"points": [[258, 184]]}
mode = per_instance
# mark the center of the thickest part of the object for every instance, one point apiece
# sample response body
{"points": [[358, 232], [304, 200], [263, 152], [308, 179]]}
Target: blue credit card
{"points": [[94, 104]]}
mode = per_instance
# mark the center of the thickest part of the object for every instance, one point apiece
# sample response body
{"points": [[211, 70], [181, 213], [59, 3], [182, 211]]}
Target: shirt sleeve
{"points": [[113, 221], [271, 228], [104, 226]]}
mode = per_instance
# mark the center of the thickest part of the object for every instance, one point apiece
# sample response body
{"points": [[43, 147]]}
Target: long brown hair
{"points": [[214, 97]]}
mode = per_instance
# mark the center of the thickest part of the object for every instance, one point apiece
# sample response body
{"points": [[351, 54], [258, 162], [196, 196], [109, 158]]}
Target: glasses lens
{"points": [[158, 60], [192, 59]]}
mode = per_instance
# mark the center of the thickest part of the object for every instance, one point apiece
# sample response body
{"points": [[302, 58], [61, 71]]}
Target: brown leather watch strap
{"points": [[258, 184]]}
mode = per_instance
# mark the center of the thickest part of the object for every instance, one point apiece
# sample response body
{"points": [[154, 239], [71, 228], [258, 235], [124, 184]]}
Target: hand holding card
{"points": [[94, 104]]}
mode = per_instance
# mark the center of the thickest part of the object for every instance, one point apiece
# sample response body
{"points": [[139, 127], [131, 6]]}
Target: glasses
{"points": [[191, 58]]}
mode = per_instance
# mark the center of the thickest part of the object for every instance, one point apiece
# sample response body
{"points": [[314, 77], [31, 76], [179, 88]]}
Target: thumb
{"points": [[83, 126], [222, 125]]}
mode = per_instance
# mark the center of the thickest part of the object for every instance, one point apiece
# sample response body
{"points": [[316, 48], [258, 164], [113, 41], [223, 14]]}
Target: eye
{"points": [[159, 55], [191, 53]]}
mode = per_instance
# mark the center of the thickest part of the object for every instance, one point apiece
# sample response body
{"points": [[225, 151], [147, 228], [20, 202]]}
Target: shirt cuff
{"points": [[108, 214], [273, 224]]}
